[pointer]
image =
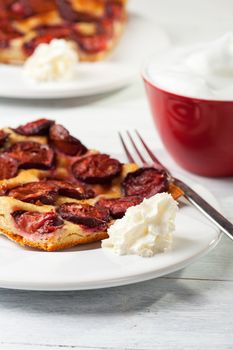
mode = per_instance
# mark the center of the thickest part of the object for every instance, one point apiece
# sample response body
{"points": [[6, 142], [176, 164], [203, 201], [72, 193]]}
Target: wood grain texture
{"points": [[29, 346], [217, 265], [154, 314], [191, 309]]}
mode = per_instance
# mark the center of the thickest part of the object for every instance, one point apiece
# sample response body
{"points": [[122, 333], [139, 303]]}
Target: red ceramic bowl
{"points": [[198, 133]]}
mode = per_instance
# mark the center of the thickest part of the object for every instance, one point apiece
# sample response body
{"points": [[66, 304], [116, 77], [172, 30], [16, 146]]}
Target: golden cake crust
{"points": [[52, 244]]}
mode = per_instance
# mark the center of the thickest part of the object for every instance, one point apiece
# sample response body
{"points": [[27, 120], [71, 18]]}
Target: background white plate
{"points": [[140, 37], [90, 267]]}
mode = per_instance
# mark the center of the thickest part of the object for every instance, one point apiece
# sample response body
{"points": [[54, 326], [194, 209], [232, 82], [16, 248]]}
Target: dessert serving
{"points": [[92, 26], [56, 193]]}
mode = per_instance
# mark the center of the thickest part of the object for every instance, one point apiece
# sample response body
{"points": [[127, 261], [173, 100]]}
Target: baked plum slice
{"points": [[46, 192], [33, 192], [3, 138], [145, 182], [118, 206], [96, 169], [30, 154], [61, 140], [84, 214], [34, 222], [8, 166], [37, 127], [73, 190]]}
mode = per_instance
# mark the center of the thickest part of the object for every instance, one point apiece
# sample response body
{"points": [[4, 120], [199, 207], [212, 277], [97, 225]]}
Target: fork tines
{"points": [[152, 158]]}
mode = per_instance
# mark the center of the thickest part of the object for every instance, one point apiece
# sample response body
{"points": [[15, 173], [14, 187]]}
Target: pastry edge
{"points": [[52, 243]]}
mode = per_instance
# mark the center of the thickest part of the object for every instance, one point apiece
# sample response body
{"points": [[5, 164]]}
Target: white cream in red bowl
{"points": [[202, 71], [190, 91]]}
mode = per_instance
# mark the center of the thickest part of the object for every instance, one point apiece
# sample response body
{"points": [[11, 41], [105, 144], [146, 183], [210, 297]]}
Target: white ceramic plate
{"points": [[93, 78], [90, 267]]}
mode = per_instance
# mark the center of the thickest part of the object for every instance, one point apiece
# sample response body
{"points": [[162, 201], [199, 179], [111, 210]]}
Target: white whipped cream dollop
{"points": [[52, 62], [145, 229], [202, 71]]}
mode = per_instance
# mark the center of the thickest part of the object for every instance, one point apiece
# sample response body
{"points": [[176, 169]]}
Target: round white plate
{"points": [[90, 267], [90, 79], [119, 70]]}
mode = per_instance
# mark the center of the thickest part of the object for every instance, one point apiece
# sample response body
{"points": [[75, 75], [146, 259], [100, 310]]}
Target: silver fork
{"points": [[197, 201]]}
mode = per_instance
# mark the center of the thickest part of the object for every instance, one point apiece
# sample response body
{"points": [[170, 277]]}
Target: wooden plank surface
{"points": [[154, 314], [191, 309]]}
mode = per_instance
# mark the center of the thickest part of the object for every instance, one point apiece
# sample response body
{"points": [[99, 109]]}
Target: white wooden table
{"points": [[189, 309]]}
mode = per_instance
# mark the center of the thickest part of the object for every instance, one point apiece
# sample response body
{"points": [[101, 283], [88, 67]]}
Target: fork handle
{"points": [[212, 214]]}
